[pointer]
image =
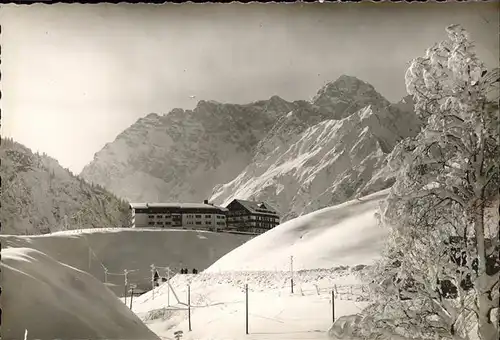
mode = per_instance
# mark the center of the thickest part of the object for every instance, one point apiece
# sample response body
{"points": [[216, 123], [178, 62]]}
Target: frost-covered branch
{"points": [[436, 211]]}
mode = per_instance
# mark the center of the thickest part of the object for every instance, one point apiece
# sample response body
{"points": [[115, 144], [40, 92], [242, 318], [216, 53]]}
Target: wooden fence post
{"points": [[246, 308], [189, 306], [125, 285], [131, 297], [333, 306]]}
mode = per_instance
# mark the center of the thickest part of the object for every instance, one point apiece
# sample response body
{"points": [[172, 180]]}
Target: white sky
{"points": [[75, 76]]}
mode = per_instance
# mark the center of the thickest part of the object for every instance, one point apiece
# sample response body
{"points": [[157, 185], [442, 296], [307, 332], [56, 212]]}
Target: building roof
{"points": [[175, 205], [257, 207]]}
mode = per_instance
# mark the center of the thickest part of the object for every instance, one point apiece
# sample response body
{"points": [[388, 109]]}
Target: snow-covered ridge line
{"points": [[42, 197], [347, 234], [113, 230]]}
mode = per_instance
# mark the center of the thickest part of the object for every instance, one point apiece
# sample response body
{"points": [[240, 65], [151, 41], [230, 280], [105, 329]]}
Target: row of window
{"points": [[255, 217], [188, 222], [197, 222], [236, 213], [233, 215], [253, 224], [187, 216], [162, 223], [174, 217], [247, 221], [198, 216]]}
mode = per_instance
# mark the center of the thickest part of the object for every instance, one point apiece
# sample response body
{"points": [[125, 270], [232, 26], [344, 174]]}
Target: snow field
{"points": [[218, 304], [324, 251]]}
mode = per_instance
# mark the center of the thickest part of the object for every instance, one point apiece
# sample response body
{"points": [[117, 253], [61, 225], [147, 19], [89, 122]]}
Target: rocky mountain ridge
{"points": [[298, 156], [181, 155], [300, 168], [39, 196]]}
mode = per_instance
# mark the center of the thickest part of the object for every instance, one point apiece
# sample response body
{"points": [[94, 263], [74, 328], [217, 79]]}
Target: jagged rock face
{"points": [[182, 155], [346, 95], [299, 156], [39, 196], [322, 165]]}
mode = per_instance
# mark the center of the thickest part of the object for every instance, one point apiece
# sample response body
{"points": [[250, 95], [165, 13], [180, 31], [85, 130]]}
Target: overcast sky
{"points": [[75, 76]]}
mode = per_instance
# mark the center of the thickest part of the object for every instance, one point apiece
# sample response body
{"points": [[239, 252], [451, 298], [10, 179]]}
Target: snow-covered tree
{"points": [[442, 212]]}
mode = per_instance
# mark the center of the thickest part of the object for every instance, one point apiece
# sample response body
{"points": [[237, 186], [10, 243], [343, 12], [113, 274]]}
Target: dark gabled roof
{"points": [[257, 207]]}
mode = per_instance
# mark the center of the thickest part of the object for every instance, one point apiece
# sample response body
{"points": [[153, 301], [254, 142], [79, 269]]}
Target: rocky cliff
{"points": [[180, 156], [39, 196], [325, 152]]}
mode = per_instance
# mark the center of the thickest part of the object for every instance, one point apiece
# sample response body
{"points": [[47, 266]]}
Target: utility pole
{"points": [[131, 297], [90, 255], [333, 305], [125, 272], [246, 308], [189, 306], [105, 275], [291, 273], [132, 286]]}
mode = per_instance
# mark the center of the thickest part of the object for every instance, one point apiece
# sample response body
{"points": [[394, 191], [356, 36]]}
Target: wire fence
{"points": [[193, 295], [181, 301]]}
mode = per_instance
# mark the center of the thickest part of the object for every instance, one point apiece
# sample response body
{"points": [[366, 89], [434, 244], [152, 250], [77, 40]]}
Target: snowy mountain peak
{"points": [[277, 100], [307, 162], [204, 104], [153, 115], [296, 156], [347, 83], [346, 95]]}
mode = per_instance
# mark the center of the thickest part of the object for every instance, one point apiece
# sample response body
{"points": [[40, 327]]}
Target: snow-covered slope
{"points": [[300, 168], [346, 234], [54, 301], [329, 248], [180, 156], [40, 196], [131, 249]]}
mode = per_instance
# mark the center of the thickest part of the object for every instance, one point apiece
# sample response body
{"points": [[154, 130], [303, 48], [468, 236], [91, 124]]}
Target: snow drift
{"points": [[52, 300], [131, 249], [346, 234]]}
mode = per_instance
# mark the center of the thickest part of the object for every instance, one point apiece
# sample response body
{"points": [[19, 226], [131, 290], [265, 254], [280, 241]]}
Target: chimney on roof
{"points": [[205, 202]]}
